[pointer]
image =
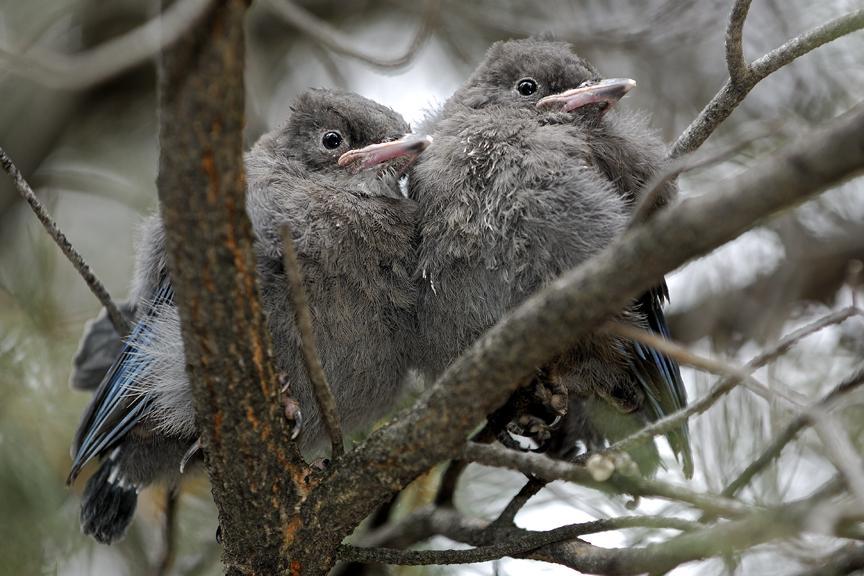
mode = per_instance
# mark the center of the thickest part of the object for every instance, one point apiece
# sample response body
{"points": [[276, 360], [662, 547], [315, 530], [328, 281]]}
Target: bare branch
{"points": [[96, 287], [103, 62], [309, 347], [712, 365], [494, 541], [676, 351], [651, 191], [455, 468], [727, 384], [840, 452], [839, 563], [807, 42], [169, 533], [325, 34], [622, 481], [789, 433], [528, 491], [738, 68], [565, 548], [733, 93]]}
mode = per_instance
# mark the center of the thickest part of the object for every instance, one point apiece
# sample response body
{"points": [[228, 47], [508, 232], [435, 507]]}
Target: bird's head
{"points": [[543, 75], [347, 138]]}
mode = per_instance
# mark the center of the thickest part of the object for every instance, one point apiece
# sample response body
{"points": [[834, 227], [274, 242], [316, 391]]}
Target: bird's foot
{"points": [[534, 427], [533, 411], [190, 453], [316, 469], [290, 406], [552, 394]]}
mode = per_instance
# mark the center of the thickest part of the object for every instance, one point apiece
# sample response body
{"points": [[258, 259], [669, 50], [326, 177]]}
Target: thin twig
{"points": [[450, 477], [727, 384], [117, 319], [549, 469], [674, 167], [838, 563], [521, 542], [169, 533], [111, 58], [789, 433], [840, 452], [732, 93], [715, 366], [309, 347], [675, 351], [565, 548], [738, 69], [528, 491], [307, 23]]}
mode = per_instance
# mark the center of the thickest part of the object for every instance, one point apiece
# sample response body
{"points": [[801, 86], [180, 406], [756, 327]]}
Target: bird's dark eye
{"points": [[526, 86], [331, 140]]}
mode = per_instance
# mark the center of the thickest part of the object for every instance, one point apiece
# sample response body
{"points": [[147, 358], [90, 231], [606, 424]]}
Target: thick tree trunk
{"points": [[256, 473]]}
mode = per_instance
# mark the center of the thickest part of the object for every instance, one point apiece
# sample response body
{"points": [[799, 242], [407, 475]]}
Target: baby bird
{"points": [[355, 238], [533, 172]]}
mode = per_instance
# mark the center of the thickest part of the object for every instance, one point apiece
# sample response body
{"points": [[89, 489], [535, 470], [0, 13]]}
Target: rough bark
{"points": [[256, 474]]}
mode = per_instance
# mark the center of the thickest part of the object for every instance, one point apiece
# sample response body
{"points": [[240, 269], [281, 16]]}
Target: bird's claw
{"points": [[317, 467], [192, 451], [552, 394], [534, 427], [290, 407]]}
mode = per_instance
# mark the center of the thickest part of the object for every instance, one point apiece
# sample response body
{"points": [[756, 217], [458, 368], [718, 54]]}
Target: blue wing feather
{"points": [[666, 393], [117, 405]]}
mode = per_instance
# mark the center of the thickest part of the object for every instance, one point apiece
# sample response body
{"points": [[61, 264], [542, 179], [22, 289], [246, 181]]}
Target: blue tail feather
{"points": [[117, 406]]}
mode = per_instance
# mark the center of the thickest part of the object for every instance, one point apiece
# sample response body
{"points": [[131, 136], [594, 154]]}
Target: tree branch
{"points": [[789, 433], [622, 480], [840, 452], [554, 319], [309, 347], [733, 92], [169, 533], [735, 63], [713, 365], [528, 491], [256, 473], [727, 384], [96, 287], [325, 34], [838, 563], [677, 351], [96, 65], [673, 168], [563, 546], [495, 541]]}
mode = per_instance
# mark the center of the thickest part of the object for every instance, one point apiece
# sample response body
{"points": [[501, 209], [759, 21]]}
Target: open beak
{"points": [[409, 146], [606, 92]]}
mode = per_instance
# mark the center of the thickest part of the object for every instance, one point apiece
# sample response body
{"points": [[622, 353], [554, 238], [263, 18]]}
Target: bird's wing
{"points": [[117, 405], [100, 345], [659, 375]]}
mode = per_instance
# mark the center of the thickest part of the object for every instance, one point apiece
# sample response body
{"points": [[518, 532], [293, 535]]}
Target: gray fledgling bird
{"points": [[355, 239], [531, 174]]}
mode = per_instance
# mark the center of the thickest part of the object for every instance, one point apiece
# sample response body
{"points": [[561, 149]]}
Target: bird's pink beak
{"points": [[606, 92], [409, 146]]}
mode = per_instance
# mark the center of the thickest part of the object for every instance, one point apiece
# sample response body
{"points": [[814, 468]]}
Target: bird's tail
{"points": [[108, 504]]}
